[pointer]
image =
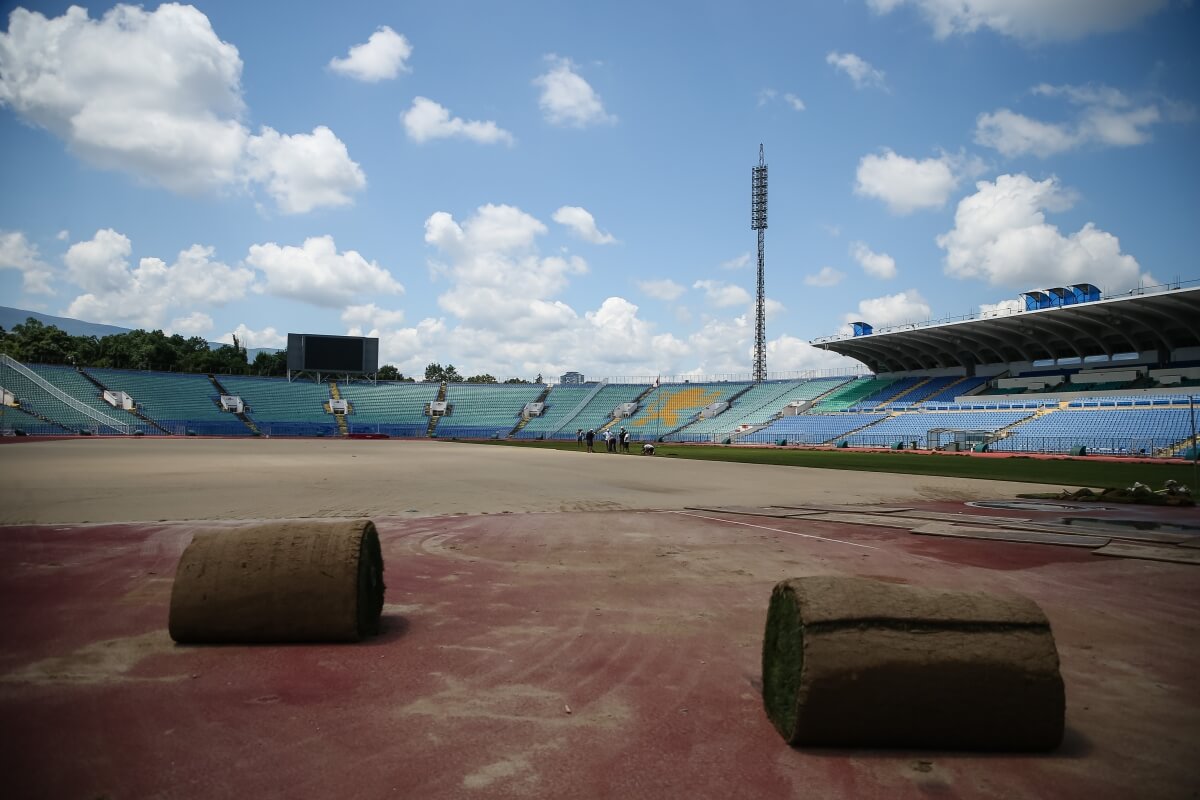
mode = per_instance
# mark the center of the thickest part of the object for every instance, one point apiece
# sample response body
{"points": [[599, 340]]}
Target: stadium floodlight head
{"points": [[758, 194], [758, 222]]}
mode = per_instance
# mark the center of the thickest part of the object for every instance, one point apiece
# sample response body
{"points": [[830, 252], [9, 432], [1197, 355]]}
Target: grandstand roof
{"points": [[1164, 321]]}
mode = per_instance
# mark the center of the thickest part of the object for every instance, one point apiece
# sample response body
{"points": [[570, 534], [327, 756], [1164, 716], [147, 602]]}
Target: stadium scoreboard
{"points": [[310, 352]]}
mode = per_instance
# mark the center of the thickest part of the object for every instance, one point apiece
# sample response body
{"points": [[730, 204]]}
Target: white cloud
{"points": [[1001, 309], [892, 309], [267, 337], [881, 265], [665, 289], [370, 317], [1031, 20], [101, 263], [827, 276], [793, 101], [1014, 134], [143, 295], [427, 120], [63, 235], [157, 95], [860, 71], [303, 171], [196, 323], [739, 262], [317, 273], [721, 294], [17, 252], [567, 99], [583, 224], [1001, 235], [1107, 117], [381, 57], [789, 354], [908, 184]]}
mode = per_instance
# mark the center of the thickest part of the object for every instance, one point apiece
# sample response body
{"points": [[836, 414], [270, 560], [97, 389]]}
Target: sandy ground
{"points": [[183, 479]]}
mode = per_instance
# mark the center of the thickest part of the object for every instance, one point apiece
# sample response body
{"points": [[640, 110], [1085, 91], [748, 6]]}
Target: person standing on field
{"points": [[590, 437]]}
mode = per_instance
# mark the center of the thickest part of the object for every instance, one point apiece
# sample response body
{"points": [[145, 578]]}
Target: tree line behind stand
{"points": [[32, 341]]}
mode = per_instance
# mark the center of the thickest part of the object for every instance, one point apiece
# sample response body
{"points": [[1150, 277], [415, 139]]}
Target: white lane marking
{"points": [[776, 530]]}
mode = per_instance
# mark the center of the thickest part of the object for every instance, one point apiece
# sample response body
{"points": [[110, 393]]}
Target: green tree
{"points": [[516, 380], [389, 372], [485, 378]]}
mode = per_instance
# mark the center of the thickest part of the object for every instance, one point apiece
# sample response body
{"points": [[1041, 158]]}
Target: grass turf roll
{"points": [[285, 581], [851, 662]]}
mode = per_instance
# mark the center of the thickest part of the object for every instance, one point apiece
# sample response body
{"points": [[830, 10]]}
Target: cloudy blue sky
{"points": [[548, 186]]}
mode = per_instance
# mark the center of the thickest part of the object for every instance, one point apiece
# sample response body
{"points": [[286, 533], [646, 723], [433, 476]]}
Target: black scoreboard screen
{"points": [[345, 354]]}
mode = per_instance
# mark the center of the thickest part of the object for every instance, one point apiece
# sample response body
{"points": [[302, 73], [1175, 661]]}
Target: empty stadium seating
{"points": [[912, 427], [560, 406], [756, 407], [284, 408], [672, 406], [1129, 430], [485, 409], [598, 411], [397, 409], [812, 428], [853, 393], [42, 404], [180, 402]]}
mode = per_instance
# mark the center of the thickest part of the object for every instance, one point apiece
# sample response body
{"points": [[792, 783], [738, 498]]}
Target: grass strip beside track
{"points": [[1059, 471]]}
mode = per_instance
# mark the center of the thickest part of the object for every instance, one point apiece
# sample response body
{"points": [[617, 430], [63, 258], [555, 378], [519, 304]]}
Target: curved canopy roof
{"points": [[1162, 322]]}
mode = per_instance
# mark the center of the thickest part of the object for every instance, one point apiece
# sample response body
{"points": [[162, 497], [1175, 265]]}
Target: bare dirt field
{"points": [[606, 645], [183, 479]]}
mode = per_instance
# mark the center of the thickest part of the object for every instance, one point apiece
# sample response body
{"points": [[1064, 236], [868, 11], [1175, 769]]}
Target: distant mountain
{"points": [[77, 327]]}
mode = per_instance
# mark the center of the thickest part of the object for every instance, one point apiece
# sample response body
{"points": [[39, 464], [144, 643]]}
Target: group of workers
{"points": [[612, 441]]}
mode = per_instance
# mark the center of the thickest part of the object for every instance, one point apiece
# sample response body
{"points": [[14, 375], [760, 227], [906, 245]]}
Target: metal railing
{"points": [[63, 397]]}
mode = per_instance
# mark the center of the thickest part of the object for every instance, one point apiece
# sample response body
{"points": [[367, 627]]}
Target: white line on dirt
{"points": [[776, 530]]}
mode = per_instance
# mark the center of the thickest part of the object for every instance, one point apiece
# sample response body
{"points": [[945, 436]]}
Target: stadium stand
{"points": [[671, 406], [282, 408], [599, 410], [911, 428], [483, 410], [48, 405], [395, 409], [76, 384], [560, 405], [812, 428], [853, 393], [958, 387], [758, 406], [1122, 431], [179, 402]]}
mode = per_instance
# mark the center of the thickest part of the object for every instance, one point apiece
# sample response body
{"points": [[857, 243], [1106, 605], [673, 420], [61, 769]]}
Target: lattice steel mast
{"points": [[758, 222]]}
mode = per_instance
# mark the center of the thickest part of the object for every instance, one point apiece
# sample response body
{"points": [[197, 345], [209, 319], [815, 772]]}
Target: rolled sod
{"points": [[851, 662], [286, 581]]}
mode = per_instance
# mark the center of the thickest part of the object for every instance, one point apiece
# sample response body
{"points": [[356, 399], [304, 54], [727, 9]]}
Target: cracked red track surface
{"points": [[607, 654]]}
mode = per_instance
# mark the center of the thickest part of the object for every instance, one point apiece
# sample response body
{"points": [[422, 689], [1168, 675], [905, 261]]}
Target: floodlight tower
{"points": [[758, 222]]}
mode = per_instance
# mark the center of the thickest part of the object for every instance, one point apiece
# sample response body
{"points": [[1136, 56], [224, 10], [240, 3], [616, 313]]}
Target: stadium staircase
{"points": [[249, 423], [433, 421], [541, 398], [336, 394], [900, 396]]}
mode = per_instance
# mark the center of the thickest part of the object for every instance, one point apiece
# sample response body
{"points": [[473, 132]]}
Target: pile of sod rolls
{"points": [[851, 662], [283, 581]]}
